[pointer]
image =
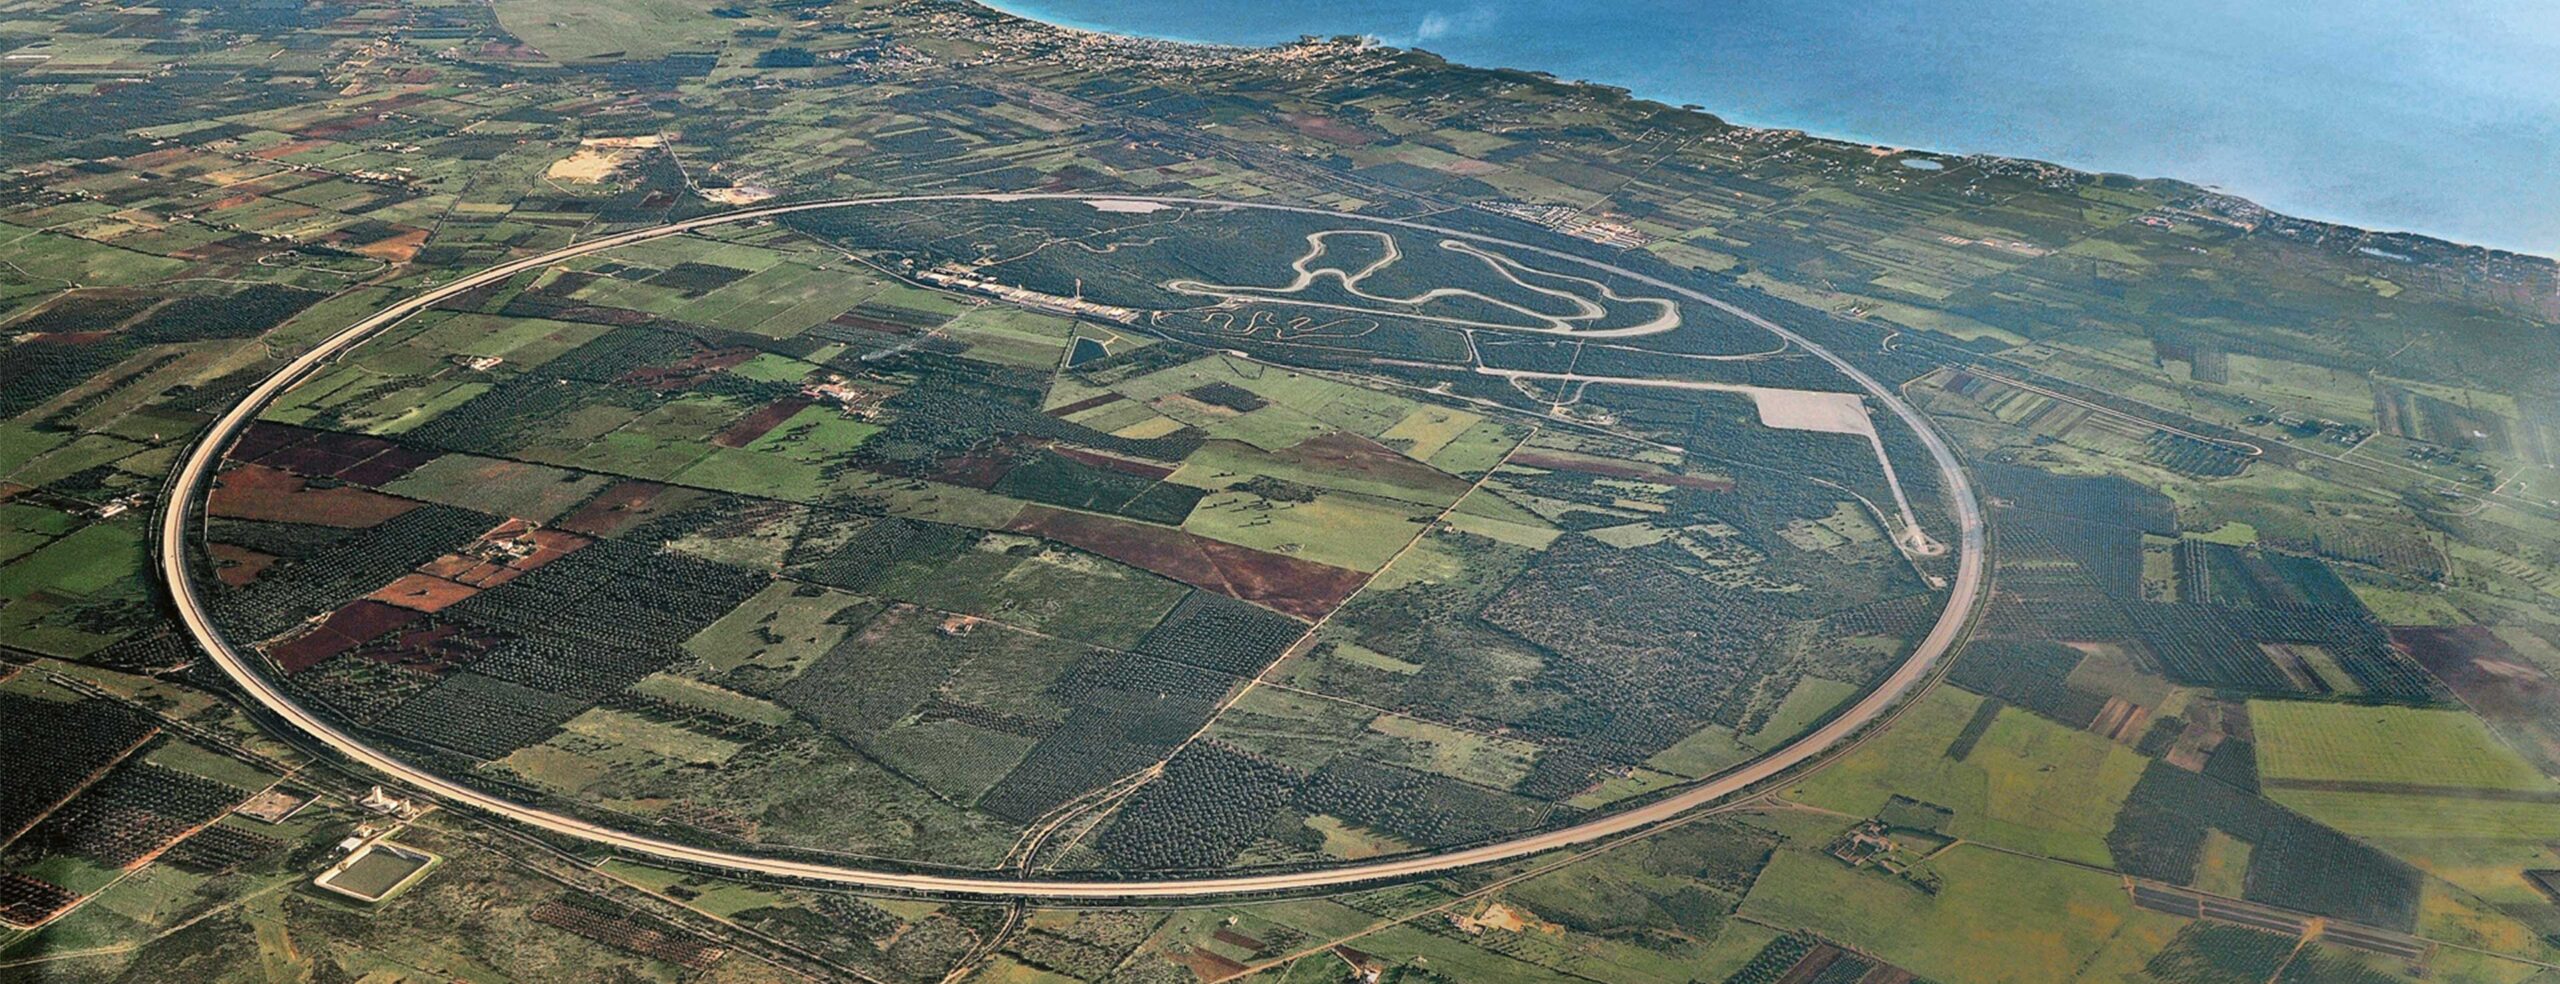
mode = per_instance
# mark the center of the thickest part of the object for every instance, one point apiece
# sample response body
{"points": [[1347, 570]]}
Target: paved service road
{"points": [[245, 670]]}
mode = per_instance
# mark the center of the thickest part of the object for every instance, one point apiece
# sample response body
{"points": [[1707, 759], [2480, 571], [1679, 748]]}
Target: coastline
{"points": [[1029, 13]]}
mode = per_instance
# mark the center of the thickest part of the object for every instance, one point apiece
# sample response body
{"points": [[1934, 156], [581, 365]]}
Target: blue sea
{"points": [[2440, 117]]}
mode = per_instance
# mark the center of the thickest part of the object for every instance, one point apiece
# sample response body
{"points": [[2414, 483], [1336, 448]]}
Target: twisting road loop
{"points": [[245, 670]]}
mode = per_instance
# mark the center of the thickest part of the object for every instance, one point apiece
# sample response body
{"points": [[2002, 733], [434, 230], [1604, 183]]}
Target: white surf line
{"points": [[1771, 402], [1305, 276], [1965, 594]]}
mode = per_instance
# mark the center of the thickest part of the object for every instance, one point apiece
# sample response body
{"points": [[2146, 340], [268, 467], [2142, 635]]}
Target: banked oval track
{"points": [[244, 670]]}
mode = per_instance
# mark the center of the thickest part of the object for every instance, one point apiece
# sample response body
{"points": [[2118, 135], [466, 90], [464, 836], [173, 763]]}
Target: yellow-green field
{"points": [[2324, 742]]}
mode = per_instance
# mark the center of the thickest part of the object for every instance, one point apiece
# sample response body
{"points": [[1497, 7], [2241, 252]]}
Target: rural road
{"points": [[245, 670]]}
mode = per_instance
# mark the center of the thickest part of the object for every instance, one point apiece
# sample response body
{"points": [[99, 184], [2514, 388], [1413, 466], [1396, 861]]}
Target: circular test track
{"points": [[204, 457]]}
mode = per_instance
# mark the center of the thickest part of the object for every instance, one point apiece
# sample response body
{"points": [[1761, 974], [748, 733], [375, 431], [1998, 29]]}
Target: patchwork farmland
{"points": [[893, 584]]}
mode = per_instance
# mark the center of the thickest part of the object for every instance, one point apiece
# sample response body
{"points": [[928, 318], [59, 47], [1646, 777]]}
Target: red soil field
{"points": [[396, 249], [287, 149], [755, 425], [263, 493], [2504, 687], [344, 629], [977, 470], [308, 458], [423, 592], [387, 467], [503, 554], [373, 115], [263, 436], [1342, 452], [1285, 584], [694, 369], [1210, 966], [353, 457], [236, 565], [357, 446], [2121, 720], [159, 159], [1329, 129]]}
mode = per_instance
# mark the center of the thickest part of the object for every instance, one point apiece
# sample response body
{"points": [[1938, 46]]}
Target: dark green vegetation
{"points": [[968, 594], [2273, 632], [2294, 862]]}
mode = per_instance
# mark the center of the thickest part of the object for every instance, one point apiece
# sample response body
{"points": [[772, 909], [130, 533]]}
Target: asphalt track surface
{"points": [[245, 671]]}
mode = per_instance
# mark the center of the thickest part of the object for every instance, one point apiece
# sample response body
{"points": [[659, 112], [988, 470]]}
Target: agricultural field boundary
{"points": [[195, 471]]}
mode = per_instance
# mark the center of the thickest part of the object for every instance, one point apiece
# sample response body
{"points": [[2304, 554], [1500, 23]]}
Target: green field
{"points": [[871, 576], [378, 872], [2051, 791], [571, 32], [2422, 818], [2027, 784], [1910, 760], [90, 560], [2320, 742], [1997, 918], [783, 626], [718, 700], [508, 488], [1345, 529]]}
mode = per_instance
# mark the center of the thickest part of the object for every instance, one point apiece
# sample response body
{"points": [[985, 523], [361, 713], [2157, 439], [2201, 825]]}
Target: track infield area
{"points": [[1037, 545]]}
